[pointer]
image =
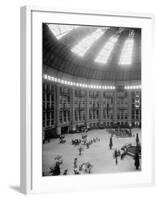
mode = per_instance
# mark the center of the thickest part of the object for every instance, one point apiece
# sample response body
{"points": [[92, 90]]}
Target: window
{"points": [[104, 115], [76, 116], [52, 98], [82, 47], [48, 97], [90, 114], [60, 116], [48, 115], [68, 115], [104, 54], [84, 116], [97, 114], [61, 30], [48, 122], [68, 99], [126, 54], [44, 105], [79, 116], [64, 116], [43, 116]]}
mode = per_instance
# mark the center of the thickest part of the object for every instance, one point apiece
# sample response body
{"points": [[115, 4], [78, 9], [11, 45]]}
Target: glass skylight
{"points": [[104, 54], [82, 47], [61, 30], [126, 54]]}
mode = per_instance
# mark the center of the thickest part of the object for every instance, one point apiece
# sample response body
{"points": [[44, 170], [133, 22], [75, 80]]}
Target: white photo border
{"points": [[32, 180]]}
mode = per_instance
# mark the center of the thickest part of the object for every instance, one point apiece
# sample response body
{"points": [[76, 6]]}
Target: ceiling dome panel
{"points": [[100, 53]]}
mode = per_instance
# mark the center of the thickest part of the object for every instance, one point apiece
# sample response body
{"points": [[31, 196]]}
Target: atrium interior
{"points": [[91, 99]]}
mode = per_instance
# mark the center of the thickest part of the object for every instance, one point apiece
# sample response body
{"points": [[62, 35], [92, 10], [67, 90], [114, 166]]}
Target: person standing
{"points": [[87, 145], [80, 150], [111, 143], [116, 156], [56, 170], [137, 161], [137, 139], [75, 163], [65, 172], [119, 153]]}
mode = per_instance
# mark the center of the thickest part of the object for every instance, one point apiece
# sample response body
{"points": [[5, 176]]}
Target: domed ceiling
{"points": [[100, 53]]}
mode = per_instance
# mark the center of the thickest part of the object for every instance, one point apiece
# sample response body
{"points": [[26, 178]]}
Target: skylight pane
{"points": [[82, 47], [126, 54], [61, 30], [104, 54]]}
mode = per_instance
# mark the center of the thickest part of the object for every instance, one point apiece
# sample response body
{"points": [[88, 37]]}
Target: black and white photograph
{"points": [[91, 99]]}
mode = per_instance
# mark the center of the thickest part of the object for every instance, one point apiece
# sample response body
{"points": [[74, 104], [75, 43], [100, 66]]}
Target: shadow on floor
{"points": [[15, 188]]}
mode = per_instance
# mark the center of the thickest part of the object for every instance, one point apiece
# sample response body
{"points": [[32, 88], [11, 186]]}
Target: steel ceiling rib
{"points": [[57, 54]]}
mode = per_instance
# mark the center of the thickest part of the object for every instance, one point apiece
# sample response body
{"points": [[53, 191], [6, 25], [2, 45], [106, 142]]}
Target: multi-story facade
{"points": [[70, 108]]}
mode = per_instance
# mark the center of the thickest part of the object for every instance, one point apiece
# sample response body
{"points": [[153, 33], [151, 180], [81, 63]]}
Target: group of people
{"points": [[91, 141], [76, 141], [62, 139], [84, 141], [85, 167], [117, 152], [55, 171]]}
